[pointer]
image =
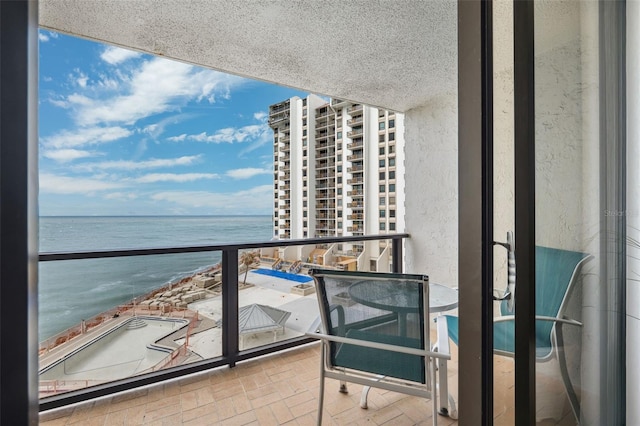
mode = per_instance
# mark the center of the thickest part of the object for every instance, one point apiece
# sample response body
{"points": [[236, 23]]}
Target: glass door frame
{"points": [[475, 179]]}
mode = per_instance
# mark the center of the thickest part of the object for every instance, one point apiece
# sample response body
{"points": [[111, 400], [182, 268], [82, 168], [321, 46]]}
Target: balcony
{"points": [[325, 164], [355, 144], [325, 206], [355, 169], [227, 351], [355, 181], [355, 110], [354, 133], [355, 121], [355, 157]]}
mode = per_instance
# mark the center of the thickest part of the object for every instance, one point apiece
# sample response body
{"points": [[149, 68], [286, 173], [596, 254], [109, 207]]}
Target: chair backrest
{"points": [[556, 272], [376, 307]]}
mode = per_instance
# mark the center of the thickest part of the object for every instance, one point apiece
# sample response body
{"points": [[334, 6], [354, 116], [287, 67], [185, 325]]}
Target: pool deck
{"points": [[205, 341]]}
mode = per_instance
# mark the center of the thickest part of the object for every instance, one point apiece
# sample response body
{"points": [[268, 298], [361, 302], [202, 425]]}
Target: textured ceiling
{"points": [[394, 54]]}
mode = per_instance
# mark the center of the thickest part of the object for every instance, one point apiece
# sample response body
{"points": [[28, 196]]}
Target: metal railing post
{"points": [[396, 253], [230, 330]]}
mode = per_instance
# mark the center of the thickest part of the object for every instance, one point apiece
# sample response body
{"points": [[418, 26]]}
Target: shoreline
{"points": [[133, 304]]}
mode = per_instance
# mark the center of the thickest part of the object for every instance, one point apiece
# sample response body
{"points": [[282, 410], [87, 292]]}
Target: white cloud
{"points": [[248, 172], [60, 103], [123, 196], [82, 80], [54, 184], [46, 37], [116, 55], [156, 129], [66, 155], [175, 177], [180, 138], [85, 136], [153, 163], [255, 200], [253, 132], [157, 86]]}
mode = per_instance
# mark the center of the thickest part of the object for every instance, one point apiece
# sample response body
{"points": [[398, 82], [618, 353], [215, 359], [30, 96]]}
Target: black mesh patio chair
{"points": [[375, 332]]}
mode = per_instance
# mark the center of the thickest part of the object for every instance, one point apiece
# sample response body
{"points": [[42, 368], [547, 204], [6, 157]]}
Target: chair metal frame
{"points": [[428, 389]]}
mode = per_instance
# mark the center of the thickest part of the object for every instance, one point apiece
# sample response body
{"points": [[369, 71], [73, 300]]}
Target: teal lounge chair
{"points": [[375, 332], [556, 272]]}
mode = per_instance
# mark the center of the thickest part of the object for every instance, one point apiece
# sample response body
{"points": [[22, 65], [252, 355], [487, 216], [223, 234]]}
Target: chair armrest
{"points": [[381, 346], [541, 318], [341, 321]]}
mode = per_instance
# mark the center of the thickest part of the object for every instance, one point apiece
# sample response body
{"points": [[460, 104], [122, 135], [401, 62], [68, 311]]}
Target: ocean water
{"points": [[73, 290]]}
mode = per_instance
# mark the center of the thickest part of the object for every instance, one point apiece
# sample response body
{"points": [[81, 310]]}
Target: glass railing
{"points": [[242, 301]]}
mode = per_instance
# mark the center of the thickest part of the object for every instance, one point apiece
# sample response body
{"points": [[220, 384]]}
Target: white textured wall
{"points": [[431, 190]]}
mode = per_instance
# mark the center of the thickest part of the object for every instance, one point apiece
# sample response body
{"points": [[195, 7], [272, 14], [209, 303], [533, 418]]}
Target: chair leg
{"points": [[444, 387], [564, 372], [434, 398], [364, 396], [321, 394]]}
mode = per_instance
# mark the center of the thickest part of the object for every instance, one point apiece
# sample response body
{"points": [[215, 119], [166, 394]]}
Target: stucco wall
{"points": [[431, 190]]}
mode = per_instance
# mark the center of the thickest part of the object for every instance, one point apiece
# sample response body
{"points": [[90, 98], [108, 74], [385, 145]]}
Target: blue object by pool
{"points": [[287, 276]]}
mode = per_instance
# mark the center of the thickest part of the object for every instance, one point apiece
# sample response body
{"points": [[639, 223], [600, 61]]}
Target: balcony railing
{"points": [[355, 132], [230, 295]]}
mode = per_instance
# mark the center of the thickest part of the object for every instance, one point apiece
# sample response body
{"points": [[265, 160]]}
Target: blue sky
{"points": [[124, 133]]}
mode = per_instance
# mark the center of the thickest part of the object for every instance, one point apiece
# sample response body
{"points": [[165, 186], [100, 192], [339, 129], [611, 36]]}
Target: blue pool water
{"points": [[285, 275]]}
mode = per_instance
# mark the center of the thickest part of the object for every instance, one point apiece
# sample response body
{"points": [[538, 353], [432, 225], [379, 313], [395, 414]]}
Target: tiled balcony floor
{"points": [[281, 389], [278, 389]]}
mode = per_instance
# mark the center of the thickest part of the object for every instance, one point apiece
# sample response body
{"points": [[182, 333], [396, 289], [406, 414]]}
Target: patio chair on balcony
{"points": [[557, 271], [375, 332]]}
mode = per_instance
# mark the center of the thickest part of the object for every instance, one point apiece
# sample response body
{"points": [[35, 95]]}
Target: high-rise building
{"points": [[338, 170]]}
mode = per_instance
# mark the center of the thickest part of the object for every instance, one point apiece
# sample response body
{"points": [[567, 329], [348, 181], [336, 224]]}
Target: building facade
{"points": [[337, 172]]}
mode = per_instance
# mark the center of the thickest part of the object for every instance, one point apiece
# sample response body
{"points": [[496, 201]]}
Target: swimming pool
{"points": [[121, 352], [284, 275]]}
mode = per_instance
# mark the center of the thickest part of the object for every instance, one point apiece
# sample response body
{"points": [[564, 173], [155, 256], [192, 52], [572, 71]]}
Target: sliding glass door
{"points": [[558, 182]]}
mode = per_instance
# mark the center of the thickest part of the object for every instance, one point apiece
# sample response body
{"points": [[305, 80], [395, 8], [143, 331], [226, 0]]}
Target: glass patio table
{"points": [[402, 299]]}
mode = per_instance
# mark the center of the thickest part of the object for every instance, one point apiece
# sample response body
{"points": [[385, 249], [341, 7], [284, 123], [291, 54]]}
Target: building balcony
{"points": [[339, 103], [275, 119], [355, 133], [355, 181], [355, 109], [325, 175], [354, 121], [325, 206], [355, 144], [325, 164], [355, 157], [352, 217], [355, 169], [358, 194]]}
